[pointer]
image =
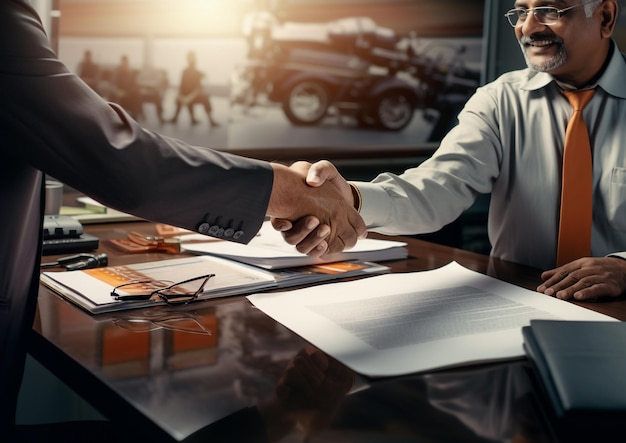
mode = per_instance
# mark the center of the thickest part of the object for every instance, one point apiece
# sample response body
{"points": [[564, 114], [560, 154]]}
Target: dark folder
{"points": [[581, 369]]}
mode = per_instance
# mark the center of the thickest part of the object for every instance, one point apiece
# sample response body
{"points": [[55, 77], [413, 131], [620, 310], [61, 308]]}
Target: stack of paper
{"points": [[270, 251], [91, 289]]}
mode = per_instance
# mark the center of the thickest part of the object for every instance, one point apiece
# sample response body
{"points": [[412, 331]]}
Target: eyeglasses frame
{"points": [[159, 292], [560, 12]]}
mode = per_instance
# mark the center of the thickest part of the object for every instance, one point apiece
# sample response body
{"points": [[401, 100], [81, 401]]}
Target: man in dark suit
{"points": [[52, 122]]}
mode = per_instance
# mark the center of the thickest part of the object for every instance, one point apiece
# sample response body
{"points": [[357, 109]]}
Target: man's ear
{"points": [[609, 11]]}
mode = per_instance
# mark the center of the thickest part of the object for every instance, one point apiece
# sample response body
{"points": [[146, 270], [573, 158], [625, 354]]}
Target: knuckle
{"points": [[290, 240], [302, 248]]}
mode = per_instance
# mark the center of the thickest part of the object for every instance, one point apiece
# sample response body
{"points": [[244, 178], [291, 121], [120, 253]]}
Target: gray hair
{"points": [[591, 7]]}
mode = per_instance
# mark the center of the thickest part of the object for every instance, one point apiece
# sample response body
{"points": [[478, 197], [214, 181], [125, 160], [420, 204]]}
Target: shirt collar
{"points": [[612, 81]]}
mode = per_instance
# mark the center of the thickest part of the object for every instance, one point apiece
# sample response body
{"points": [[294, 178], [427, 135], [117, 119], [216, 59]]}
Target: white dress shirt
{"points": [[509, 142]]}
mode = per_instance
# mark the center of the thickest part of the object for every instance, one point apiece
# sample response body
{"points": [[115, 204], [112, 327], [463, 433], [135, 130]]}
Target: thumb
{"points": [[320, 172]]}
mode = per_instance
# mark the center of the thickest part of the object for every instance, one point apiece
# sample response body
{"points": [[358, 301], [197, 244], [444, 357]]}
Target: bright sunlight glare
{"points": [[218, 17]]}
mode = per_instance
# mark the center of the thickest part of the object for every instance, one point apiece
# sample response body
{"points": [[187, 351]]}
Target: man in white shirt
{"points": [[509, 142]]}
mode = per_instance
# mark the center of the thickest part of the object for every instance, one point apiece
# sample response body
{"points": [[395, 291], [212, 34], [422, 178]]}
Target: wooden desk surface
{"points": [[171, 383]]}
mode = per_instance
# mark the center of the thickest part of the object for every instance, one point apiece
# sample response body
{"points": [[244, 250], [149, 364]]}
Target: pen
{"points": [[79, 261]]}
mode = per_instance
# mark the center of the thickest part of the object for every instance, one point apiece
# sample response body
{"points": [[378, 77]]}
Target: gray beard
{"points": [[555, 62]]}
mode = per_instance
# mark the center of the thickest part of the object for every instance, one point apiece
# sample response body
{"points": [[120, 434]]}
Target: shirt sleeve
{"points": [[426, 198]]}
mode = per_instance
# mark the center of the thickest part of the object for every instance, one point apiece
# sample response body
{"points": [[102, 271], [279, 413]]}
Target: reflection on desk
{"points": [[230, 386], [251, 373], [181, 340]]}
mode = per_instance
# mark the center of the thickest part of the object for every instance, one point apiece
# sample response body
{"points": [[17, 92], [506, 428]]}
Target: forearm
{"points": [[394, 206], [169, 181], [284, 188]]}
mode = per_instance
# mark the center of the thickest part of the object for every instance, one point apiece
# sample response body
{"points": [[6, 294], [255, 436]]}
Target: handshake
{"points": [[313, 206]]}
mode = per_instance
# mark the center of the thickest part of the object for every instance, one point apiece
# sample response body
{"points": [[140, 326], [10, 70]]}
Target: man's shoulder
{"points": [[517, 84], [507, 91], [514, 78]]}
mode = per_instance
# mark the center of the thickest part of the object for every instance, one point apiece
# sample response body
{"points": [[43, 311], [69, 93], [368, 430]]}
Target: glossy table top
{"points": [[175, 372]]}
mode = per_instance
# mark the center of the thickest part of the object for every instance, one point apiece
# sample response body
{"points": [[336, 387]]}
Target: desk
{"points": [[170, 384]]}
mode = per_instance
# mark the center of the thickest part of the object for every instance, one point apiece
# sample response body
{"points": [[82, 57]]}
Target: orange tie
{"points": [[576, 187]]}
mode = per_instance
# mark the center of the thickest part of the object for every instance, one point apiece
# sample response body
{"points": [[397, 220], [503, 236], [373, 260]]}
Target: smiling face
{"points": [[575, 47]]}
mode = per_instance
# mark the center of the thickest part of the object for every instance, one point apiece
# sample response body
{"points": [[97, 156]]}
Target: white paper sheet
{"points": [[403, 323]]}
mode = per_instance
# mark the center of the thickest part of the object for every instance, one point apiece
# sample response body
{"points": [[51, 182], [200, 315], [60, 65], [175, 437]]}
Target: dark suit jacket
{"points": [[53, 123]]}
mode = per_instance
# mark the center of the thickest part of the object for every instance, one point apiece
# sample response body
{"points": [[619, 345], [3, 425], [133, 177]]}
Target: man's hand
{"points": [[317, 219], [324, 171], [308, 234], [586, 279]]}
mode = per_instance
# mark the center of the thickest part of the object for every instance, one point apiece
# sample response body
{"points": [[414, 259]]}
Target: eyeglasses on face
{"points": [[171, 293], [545, 15]]}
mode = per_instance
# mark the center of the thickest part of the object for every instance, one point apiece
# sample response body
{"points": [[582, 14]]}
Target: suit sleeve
{"points": [[54, 122]]}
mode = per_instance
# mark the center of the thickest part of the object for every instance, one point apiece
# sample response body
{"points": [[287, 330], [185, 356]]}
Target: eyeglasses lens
{"points": [[546, 15]]}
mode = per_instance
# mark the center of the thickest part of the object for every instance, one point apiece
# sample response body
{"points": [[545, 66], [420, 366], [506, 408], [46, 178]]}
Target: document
{"points": [[91, 289], [268, 250], [403, 323]]}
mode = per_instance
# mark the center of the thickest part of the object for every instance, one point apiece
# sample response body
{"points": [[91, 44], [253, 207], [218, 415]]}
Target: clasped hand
{"points": [[314, 214]]}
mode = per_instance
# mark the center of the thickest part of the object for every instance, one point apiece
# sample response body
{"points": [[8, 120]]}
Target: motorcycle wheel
{"points": [[307, 103], [394, 111]]}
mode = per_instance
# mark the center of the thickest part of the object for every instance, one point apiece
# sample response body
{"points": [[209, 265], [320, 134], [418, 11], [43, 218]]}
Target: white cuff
{"points": [[375, 204], [621, 255]]}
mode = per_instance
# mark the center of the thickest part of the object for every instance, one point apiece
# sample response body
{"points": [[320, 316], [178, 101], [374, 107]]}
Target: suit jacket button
{"points": [[213, 230], [229, 232], [220, 232], [204, 228], [238, 234]]}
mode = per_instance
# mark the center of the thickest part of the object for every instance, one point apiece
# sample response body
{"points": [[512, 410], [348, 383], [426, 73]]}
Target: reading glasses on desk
{"points": [[170, 292]]}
